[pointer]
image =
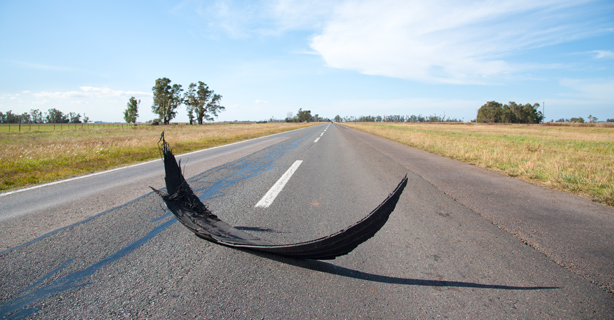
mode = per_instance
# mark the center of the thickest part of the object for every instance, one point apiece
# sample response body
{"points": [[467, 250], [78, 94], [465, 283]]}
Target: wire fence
{"points": [[41, 127], [47, 127]]}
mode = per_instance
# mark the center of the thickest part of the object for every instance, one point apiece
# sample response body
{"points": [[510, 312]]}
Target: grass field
{"points": [[41, 127], [577, 159], [38, 156]]}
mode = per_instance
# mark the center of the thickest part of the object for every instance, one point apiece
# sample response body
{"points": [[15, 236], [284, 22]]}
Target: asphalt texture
{"points": [[28, 213], [462, 242]]}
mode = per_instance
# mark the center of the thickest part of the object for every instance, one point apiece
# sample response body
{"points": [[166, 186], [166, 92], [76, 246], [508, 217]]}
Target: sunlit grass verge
{"points": [[35, 157], [569, 158]]}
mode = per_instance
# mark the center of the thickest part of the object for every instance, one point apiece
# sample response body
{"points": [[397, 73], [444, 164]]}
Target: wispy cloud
{"points": [[91, 92], [603, 54], [39, 66], [438, 41], [98, 103], [301, 14], [445, 41], [591, 89], [213, 19], [240, 19]]}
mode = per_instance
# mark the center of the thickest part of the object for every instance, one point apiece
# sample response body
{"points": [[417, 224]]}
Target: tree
{"points": [[25, 118], [592, 119], [191, 102], [337, 118], [56, 116], [202, 103], [167, 99], [10, 117], [74, 117], [303, 115], [530, 114], [490, 112], [509, 112], [132, 110], [213, 107], [176, 98], [495, 112], [37, 116]]}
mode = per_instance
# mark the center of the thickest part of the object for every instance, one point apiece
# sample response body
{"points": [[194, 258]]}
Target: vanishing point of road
{"points": [[463, 242]]}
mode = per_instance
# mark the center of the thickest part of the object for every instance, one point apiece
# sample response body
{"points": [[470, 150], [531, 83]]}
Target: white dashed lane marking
{"points": [[270, 196]]}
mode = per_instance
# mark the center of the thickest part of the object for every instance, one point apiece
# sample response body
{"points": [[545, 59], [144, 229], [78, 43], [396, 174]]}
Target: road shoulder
{"points": [[573, 231]]}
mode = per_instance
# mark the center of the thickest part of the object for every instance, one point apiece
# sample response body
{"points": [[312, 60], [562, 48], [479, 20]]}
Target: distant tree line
{"points": [[591, 119], [52, 115], [305, 116], [495, 112], [201, 102], [396, 118]]}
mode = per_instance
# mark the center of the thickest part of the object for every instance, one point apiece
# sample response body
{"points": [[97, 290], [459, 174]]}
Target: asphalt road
{"points": [[462, 243]]}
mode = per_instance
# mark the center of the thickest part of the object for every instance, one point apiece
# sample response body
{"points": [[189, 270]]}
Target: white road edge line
{"points": [[270, 196], [316, 140], [126, 167]]}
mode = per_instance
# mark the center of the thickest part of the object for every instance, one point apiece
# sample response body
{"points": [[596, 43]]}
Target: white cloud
{"points": [[103, 104], [443, 41], [91, 92], [68, 94], [603, 54], [240, 19], [10, 96], [438, 41], [106, 92], [261, 101], [41, 66], [591, 89], [300, 14]]}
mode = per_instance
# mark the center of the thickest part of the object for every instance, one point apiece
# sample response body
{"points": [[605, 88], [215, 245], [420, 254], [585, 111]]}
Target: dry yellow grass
{"points": [[42, 156], [577, 159]]}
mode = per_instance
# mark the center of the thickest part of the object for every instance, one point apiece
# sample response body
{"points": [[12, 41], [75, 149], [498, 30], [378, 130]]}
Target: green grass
{"points": [[33, 157]]}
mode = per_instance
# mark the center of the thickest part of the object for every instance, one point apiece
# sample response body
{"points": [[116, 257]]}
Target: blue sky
{"points": [[347, 58]]}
